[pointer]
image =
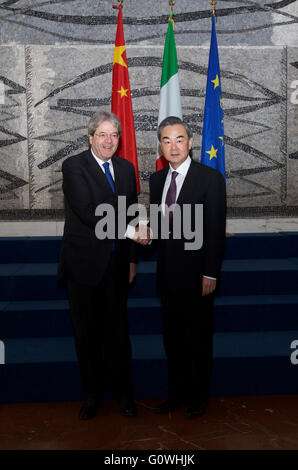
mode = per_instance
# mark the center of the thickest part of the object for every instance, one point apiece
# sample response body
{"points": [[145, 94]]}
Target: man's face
{"points": [[175, 144], [105, 140]]}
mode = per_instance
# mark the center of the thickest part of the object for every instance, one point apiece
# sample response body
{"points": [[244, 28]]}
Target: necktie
{"points": [[171, 197], [109, 176], [112, 184]]}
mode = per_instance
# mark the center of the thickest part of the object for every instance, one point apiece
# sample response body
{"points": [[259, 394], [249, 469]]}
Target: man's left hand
{"points": [[132, 272], [208, 286]]}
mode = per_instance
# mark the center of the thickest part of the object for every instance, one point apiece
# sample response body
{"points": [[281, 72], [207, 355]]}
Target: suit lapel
{"points": [[189, 183], [160, 184], [97, 171], [117, 174]]}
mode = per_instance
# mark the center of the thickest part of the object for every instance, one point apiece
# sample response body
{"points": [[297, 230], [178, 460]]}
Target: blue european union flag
{"points": [[213, 149]]}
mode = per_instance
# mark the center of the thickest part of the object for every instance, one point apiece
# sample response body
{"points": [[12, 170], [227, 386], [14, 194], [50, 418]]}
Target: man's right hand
{"points": [[142, 234]]}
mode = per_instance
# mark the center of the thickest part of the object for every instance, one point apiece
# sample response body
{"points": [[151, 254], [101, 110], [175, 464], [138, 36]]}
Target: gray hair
{"points": [[101, 116], [171, 121]]}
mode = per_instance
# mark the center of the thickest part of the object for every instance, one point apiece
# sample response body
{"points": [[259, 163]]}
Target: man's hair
{"points": [[171, 121], [101, 116]]}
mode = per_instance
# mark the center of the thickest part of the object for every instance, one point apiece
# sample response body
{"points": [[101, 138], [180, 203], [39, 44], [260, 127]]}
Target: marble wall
{"points": [[56, 69]]}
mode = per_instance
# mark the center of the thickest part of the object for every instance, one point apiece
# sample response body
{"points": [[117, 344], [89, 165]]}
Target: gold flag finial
{"points": [[171, 3], [120, 4], [213, 5]]}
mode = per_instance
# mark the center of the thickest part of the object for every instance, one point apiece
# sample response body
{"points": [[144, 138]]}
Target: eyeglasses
{"points": [[104, 135]]}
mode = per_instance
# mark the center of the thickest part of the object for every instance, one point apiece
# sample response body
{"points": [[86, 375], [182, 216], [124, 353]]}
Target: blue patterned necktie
{"points": [[171, 197], [112, 184], [109, 176]]}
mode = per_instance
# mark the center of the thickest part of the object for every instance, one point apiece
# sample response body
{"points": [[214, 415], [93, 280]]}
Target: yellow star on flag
{"points": [[216, 82], [122, 92], [118, 56], [220, 102], [212, 152], [222, 140]]}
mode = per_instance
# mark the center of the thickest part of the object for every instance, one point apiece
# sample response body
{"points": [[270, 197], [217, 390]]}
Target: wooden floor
{"points": [[231, 423]]}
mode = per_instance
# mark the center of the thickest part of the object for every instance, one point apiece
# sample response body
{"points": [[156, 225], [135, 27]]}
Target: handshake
{"points": [[140, 234]]}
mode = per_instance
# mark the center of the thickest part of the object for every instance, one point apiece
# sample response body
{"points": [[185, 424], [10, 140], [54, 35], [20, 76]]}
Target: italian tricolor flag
{"points": [[170, 101]]}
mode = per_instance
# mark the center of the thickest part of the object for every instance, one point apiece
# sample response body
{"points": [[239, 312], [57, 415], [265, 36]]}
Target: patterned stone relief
{"points": [[243, 22], [14, 169], [56, 70], [292, 126]]}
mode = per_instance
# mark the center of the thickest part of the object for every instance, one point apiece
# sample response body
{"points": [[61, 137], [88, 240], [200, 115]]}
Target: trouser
{"points": [[100, 326], [187, 324]]}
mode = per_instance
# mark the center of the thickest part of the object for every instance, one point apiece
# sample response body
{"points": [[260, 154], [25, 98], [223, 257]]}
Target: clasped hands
{"points": [[142, 234]]}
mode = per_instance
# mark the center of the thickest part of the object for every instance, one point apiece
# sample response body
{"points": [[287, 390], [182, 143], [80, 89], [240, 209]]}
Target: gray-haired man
{"points": [[97, 272]]}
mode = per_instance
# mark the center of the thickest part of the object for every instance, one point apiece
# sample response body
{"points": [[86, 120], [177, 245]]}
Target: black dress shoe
{"points": [[128, 407], [89, 407], [88, 410], [195, 410], [168, 406]]}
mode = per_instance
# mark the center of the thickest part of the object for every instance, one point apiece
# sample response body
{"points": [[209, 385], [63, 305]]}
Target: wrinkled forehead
{"points": [[107, 126]]}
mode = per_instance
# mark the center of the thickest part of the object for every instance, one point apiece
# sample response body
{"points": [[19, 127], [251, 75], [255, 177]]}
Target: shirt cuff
{"points": [[131, 231]]}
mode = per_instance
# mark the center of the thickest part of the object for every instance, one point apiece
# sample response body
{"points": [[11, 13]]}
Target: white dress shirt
{"points": [[182, 172], [101, 162], [130, 230]]}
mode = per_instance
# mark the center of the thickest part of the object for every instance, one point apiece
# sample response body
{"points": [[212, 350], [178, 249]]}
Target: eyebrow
{"points": [[177, 137]]}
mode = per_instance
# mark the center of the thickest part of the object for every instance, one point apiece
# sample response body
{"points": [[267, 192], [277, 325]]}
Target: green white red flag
{"points": [[170, 100]]}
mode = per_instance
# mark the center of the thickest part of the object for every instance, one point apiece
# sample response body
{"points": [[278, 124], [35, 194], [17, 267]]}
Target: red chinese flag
{"points": [[121, 100]]}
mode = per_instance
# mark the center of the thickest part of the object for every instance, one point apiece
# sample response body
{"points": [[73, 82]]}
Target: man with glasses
{"points": [[97, 272]]}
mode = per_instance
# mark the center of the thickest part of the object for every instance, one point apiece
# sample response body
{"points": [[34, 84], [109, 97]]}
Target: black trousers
{"points": [[100, 326], [187, 324]]}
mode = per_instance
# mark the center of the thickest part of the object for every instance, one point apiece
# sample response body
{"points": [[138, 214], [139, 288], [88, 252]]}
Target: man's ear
{"points": [[90, 139], [190, 143], [159, 150]]}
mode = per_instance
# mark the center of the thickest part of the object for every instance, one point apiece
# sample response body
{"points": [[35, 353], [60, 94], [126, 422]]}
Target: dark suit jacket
{"points": [[179, 270], [84, 258]]}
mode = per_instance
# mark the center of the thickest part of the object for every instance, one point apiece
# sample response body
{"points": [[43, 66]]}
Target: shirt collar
{"points": [[99, 161], [183, 168]]}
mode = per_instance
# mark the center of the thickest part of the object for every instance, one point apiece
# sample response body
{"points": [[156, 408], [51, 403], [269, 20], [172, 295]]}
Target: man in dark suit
{"points": [[97, 271], [187, 277]]}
